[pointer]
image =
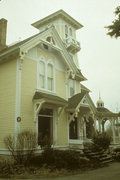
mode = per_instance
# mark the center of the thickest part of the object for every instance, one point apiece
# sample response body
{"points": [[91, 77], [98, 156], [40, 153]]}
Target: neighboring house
{"points": [[40, 85]]}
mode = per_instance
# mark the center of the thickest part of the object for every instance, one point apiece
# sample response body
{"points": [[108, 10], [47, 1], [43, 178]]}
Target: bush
{"points": [[6, 168], [60, 159], [44, 142], [22, 147], [116, 154], [101, 141]]}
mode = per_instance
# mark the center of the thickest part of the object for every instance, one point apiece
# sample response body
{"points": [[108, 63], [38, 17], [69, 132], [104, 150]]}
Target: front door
{"points": [[73, 129], [45, 124]]}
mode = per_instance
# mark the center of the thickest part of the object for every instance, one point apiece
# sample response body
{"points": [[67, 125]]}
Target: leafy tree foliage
{"points": [[101, 141], [114, 28]]}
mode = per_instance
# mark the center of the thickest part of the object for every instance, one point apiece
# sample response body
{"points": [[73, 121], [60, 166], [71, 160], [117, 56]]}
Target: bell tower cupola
{"points": [[100, 102]]}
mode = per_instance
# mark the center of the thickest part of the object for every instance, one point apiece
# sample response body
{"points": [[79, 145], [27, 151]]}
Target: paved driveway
{"points": [[112, 172]]}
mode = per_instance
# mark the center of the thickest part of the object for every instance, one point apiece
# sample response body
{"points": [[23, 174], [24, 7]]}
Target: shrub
{"points": [[59, 159], [44, 142], [22, 147], [101, 141], [6, 168], [116, 154]]}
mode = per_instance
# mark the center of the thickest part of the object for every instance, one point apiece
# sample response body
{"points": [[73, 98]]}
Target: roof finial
{"points": [[100, 102], [99, 95]]}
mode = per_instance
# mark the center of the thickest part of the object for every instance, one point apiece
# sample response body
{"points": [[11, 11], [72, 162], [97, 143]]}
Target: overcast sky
{"points": [[99, 56]]}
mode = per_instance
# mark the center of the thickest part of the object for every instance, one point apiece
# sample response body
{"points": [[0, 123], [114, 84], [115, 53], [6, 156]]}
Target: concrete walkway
{"points": [[112, 172]]}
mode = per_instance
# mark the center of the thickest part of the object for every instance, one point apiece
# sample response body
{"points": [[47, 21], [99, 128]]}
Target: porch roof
{"points": [[104, 112], [49, 98], [75, 100]]}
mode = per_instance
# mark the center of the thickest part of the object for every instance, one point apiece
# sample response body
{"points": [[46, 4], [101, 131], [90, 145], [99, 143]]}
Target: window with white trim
{"points": [[41, 74], [70, 32], [66, 31], [50, 40], [50, 77], [71, 87], [45, 76]]}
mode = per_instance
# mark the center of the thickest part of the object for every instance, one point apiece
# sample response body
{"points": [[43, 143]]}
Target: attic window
{"points": [[84, 100], [50, 40], [66, 31], [45, 46]]}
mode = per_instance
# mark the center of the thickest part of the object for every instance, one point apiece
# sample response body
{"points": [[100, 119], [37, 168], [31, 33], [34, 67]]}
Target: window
{"points": [[66, 31], [71, 87], [50, 40], [45, 76], [70, 31], [41, 74], [50, 77], [45, 46]]}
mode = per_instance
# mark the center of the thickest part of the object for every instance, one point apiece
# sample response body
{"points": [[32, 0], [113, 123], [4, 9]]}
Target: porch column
{"points": [[78, 128], [84, 130], [99, 121], [55, 125], [103, 123], [95, 127], [81, 126], [113, 129], [118, 127]]}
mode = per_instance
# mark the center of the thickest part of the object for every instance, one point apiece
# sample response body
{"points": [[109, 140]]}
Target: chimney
{"points": [[3, 31]]}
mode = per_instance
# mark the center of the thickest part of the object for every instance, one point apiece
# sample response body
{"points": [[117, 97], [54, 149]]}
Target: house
{"points": [[40, 85]]}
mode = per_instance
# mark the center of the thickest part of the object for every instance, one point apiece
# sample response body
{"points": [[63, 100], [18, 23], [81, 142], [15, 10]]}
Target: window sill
{"points": [[46, 91]]}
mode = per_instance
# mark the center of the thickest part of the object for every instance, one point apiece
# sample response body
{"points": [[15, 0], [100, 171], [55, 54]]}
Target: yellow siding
{"points": [[7, 99], [78, 88], [28, 88], [62, 130], [60, 84]]}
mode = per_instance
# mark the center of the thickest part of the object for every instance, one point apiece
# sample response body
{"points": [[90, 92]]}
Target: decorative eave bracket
{"points": [[37, 108]]}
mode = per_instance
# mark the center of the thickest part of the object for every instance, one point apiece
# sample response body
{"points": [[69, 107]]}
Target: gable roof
{"points": [[104, 112], [75, 100], [56, 15], [15, 47], [37, 38], [91, 103], [84, 88]]}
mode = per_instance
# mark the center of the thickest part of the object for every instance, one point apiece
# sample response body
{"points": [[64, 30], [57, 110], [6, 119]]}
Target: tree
{"points": [[23, 147], [101, 141], [114, 28]]}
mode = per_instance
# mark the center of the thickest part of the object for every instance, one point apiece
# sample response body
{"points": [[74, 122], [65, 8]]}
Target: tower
{"points": [[66, 27], [100, 102]]}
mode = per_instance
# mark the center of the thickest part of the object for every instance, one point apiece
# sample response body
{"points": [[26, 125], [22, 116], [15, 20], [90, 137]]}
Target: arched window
{"points": [[50, 40], [41, 74], [66, 31], [70, 32], [50, 77]]}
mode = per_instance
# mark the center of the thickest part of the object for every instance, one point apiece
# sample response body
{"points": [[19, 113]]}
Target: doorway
{"points": [[73, 129], [45, 127]]}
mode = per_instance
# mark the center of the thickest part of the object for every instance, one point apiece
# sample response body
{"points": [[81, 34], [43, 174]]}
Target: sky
{"points": [[99, 57]]}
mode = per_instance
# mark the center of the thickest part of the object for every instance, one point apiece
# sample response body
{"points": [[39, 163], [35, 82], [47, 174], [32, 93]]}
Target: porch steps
{"points": [[99, 156]]}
